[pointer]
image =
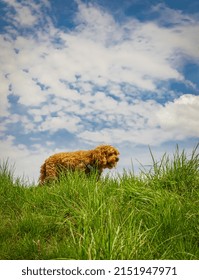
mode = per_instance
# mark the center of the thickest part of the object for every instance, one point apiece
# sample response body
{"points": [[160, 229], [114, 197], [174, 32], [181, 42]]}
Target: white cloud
{"points": [[4, 92], [25, 14], [145, 136], [180, 116], [141, 55], [62, 121], [26, 162], [30, 94], [167, 15]]}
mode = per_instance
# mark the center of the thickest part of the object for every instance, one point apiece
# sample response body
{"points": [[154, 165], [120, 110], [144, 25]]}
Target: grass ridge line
{"points": [[153, 215]]}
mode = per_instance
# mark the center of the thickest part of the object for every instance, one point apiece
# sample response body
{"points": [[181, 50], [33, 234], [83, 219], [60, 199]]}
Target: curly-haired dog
{"points": [[103, 156]]}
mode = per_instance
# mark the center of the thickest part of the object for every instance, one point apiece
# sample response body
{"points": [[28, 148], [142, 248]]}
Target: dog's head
{"points": [[106, 156]]}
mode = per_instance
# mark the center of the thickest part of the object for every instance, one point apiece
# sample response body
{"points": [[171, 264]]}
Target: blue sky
{"points": [[76, 74]]}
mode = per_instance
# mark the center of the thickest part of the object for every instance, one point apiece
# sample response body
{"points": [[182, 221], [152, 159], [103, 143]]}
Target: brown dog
{"points": [[103, 156]]}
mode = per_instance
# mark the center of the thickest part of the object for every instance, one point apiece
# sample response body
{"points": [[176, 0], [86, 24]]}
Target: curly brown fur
{"points": [[103, 156]]}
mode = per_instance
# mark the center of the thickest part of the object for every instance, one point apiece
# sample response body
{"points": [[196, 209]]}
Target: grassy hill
{"points": [[151, 216]]}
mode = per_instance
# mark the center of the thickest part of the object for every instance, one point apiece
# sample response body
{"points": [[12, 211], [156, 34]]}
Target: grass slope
{"points": [[151, 216]]}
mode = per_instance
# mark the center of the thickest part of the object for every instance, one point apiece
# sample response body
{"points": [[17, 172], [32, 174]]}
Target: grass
{"points": [[151, 216]]}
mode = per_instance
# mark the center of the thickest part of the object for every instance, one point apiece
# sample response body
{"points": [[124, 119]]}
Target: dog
{"points": [[103, 156]]}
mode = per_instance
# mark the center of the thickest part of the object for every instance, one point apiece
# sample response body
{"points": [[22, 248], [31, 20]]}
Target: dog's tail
{"points": [[42, 174]]}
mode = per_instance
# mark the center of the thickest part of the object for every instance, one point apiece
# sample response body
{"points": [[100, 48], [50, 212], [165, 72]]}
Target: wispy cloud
{"points": [[25, 14]]}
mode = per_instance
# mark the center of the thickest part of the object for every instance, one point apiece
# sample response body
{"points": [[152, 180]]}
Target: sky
{"points": [[77, 73]]}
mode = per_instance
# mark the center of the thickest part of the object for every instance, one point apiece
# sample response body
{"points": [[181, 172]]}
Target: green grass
{"points": [[151, 216]]}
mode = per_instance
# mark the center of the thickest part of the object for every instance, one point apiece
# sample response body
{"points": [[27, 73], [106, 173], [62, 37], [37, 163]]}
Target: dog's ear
{"points": [[99, 157]]}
